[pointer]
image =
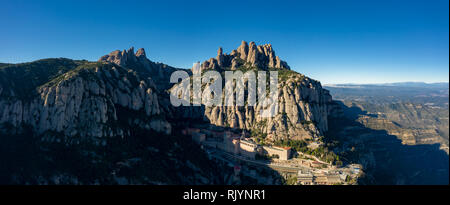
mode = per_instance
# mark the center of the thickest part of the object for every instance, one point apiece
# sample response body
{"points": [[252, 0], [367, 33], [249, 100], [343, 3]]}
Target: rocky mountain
{"points": [[88, 109], [302, 112], [259, 56], [82, 102], [303, 103], [66, 121], [159, 72], [61, 118]]}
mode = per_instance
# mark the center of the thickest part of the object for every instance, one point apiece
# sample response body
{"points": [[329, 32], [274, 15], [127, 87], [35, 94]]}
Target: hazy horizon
{"points": [[321, 81], [428, 83]]}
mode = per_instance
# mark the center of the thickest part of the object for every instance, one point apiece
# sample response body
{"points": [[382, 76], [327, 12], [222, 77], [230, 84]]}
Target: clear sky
{"points": [[369, 41]]}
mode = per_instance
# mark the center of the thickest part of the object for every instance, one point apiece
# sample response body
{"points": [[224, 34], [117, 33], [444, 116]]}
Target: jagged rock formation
{"points": [[160, 73], [68, 101], [84, 102], [303, 103], [302, 112], [83, 99], [261, 56], [77, 122]]}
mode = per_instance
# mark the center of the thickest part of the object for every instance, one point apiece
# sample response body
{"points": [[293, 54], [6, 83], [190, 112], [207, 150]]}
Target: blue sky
{"points": [[331, 41]]}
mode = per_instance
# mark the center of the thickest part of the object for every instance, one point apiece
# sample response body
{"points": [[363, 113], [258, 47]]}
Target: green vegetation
{"points": [[297, 145], [290, 180], [245, 68], [351, 180], [23, 78], [321, 152], [82, 70], [284, 74], [259, 136]]}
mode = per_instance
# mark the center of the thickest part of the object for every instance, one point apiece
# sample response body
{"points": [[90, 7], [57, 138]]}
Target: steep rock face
{"points": [[260, 56], [303, 103], [78, 122], [160, 73], [85, 101], [302, 112], [125, 92]]}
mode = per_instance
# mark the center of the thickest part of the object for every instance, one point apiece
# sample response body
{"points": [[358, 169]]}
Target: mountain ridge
{"points": [[77, 102]]}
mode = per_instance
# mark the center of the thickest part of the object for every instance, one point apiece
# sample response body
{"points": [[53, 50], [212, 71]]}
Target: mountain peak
{"points": [[141, 52], [122, 57], [260, 56]]}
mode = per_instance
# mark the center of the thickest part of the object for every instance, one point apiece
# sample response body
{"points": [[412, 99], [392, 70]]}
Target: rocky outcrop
{"points": [[125, 89], [302, 113], [91, 100], [160, 73], [259, 56], [121, 58], [85, 102], [303, 103]]}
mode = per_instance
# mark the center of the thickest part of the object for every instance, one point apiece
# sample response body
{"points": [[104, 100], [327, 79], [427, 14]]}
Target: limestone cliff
{"points": [[260, 56], [84, 102], [159, 72], [303, 103], [79, 98], [121, 103]]}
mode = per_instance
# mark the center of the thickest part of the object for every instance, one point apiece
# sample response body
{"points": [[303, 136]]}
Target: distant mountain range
{"points": [[397, 84], [415, 113], [84, 110], [65, 121]]}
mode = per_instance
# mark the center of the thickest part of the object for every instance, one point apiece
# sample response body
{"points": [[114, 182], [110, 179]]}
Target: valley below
{"points": [[399, 132], [65, 121]]}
